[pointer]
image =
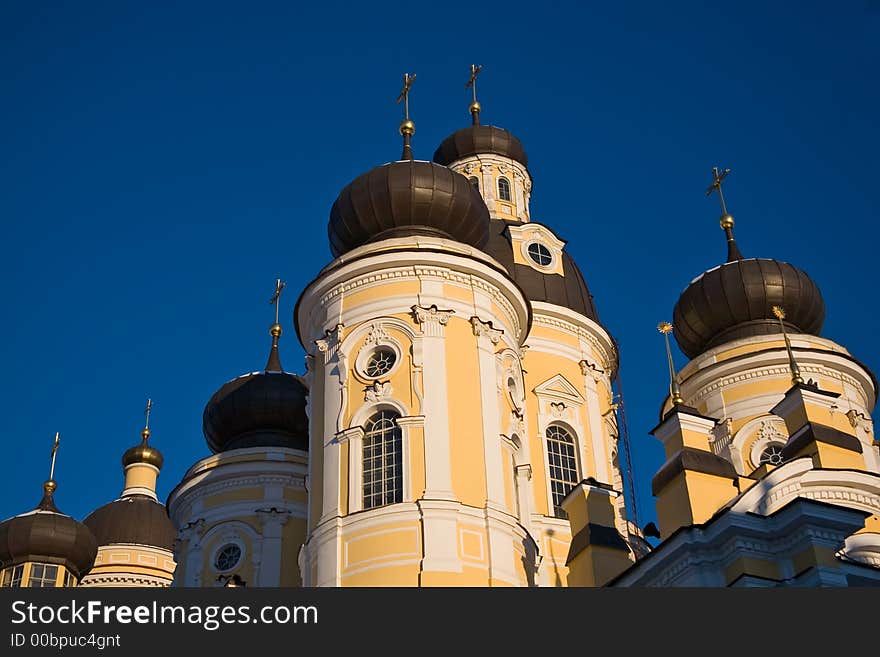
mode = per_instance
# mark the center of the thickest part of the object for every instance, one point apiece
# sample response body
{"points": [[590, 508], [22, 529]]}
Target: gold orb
{"points": [[475, 107], [50, 486], [407, 127], [275, 330], [726, 221]]}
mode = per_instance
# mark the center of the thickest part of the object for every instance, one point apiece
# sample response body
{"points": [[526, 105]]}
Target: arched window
{"points": [[383, 460], [475, 182], [504, 189], [563, 466], [772, 454]]}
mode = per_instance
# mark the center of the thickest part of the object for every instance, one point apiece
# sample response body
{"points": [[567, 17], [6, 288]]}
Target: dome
{"points": [[735, 300], [259, 409], [569, 291], [398, 197], [45, 535], [476, 139], [142, 453], [132, 519]]}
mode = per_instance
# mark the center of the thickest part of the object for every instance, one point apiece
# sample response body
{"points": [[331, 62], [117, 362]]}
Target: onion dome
{"points": [[735, 300], [137, 519], [45, 535], [403, 197], [478, 139], [260, 409], [569, 291]]}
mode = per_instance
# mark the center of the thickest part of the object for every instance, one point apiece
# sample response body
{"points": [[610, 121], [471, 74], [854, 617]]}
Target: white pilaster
{"points": [[487, 338], [272, 521], [438, 473], [592, 375]]}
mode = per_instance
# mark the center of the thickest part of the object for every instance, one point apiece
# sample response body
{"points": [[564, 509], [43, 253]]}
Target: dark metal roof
{"points": [[569, 291], [476, 139], [132, 519], [46, 535], [404, 194], [259, 409], [735, 300]]}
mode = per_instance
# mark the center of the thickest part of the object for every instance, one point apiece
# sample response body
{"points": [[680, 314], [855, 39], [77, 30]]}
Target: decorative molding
{"points": [[485, 329], [329, 344], [591, 369], [558, 388], [431, 319], [378, 391], [859, 420], [607, 359], [377, 335], [765, 372], [557, 409], [417, 272]]}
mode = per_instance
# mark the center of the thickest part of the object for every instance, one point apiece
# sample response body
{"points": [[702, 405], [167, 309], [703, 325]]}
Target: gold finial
{"points": [[54, 453], [145, 434], [666, 328], [407, 127], [274, 363], [472, 83], [718, 176], [796, 378]]}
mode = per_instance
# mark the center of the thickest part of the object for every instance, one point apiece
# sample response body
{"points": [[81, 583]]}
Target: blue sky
{"points": [[162, 163]]}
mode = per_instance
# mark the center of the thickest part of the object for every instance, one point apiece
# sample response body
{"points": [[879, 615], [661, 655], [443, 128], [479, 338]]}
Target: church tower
{"points": [[45, 548], [460, 382], [135, 536], [767, 434], [240, 514]]}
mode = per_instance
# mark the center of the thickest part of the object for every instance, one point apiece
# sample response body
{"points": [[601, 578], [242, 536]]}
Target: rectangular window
{"points": [[43, 576], [12, 577]]}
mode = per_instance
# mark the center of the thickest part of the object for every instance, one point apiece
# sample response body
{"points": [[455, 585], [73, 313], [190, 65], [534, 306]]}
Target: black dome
{"points": [[569, 291], [735, 300], [396, 197], [132, 519], [477, 139], [259, 409], [46, 535]]}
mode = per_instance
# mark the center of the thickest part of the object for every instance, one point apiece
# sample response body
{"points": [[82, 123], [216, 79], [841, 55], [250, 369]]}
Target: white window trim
{"points": [[578, 458], [355, 437]]}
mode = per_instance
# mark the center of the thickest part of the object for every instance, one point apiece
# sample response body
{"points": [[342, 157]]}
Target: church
{"points": [[456, 421]]}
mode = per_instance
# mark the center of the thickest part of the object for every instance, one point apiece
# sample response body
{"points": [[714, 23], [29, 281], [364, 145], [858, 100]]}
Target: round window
{"points": [[772, 454], [540, 254], [380, 362], [227, 557]]}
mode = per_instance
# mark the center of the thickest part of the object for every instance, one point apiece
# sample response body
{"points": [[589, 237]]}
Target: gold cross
{"points": [[147, 413], [404, 94], [279, 285], [718, 176], [54, 452], [472, 83]]}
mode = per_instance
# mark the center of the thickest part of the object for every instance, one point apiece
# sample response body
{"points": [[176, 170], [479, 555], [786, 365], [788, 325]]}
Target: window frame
{"points": [[509, 187], [43, 579], [398, 478], [553, 509]]}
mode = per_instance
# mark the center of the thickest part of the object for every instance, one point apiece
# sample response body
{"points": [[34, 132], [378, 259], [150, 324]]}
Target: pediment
{"points": [[558, 387]]}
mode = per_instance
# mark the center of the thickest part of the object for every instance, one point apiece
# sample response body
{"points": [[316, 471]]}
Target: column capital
{"points": [[432, 319], [486, 330]]}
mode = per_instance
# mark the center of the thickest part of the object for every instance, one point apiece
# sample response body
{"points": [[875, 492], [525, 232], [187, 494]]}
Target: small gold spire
{"points": [[54, 454], [145, 433], [274, 364], [796, 378], [472, 84], [407, 127], [726, 221], [666, 328]]}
